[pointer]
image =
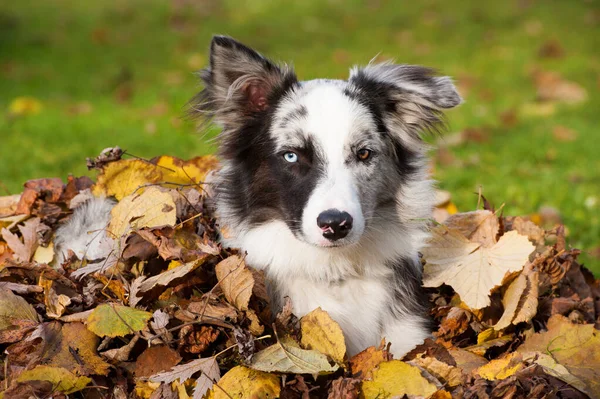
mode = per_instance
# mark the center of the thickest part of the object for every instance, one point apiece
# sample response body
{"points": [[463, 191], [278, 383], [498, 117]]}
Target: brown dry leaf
{"points": [[472, 269], [467, 361], [344, 388], [482, 348], [449, 375], [56, 304], [8, 205], [456, 322], [321, 333], [23, 251], [478, 226], [562, 133], [155, 360], [17, 317], [73, 347], [236, 281], [242, 382], [527, 228], [520, 300], [165, 278], [553, 87], [574, 346], [152, 208], [255, 327], [208, 367], [363, 363], [395, 379], [213, 309], [121, 354], [50, 189]]}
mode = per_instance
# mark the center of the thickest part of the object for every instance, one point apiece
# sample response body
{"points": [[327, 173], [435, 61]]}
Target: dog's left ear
{"points": [[408, 96], [239, 83]]}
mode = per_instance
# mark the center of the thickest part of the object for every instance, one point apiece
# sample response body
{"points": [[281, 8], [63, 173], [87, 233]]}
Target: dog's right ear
{"points": [[240, 83]]}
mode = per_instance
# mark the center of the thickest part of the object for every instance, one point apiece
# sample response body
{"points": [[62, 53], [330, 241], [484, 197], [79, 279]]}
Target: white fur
{"points": [[85, 232]]}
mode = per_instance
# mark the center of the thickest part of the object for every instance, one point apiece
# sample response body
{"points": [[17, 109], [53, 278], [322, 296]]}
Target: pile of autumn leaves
{"points": [[168, 313]]}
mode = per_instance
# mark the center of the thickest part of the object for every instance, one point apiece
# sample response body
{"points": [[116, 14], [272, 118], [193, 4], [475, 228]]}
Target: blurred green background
{"points": [[79, 76]]}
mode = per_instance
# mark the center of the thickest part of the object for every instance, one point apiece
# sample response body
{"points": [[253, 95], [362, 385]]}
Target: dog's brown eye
{"points": [[363, 154]]}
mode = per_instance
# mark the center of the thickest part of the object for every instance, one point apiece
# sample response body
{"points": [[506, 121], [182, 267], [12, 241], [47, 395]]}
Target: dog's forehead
{"points": [[322, 111]]}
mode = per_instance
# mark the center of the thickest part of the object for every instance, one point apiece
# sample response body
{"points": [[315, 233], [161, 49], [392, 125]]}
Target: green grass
{"points": [[66, 52]]}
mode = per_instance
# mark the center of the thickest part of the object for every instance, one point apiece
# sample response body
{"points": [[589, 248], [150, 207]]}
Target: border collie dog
{"points": [[324, 185]]}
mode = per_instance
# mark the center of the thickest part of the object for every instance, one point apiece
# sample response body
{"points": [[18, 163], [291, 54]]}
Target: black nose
{"points": [[335, 224]]}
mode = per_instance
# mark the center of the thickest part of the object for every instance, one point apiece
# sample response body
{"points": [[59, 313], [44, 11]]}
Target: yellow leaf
{"points": [[242, 382], [152, 208], [236, 281], [472, 269], [145, 389], [574, 346], [321, 333], [116, 320], [395, 379], [44, 254], [23, 106], [129, 176], [74, 337], [504, 367], [486, 335], [62, 380], [14, 308]]}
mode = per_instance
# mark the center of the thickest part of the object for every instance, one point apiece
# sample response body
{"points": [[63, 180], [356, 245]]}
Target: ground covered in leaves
{"points": [[161, 310]]}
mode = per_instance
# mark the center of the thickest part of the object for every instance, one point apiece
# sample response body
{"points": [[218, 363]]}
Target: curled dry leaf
{"points": [[362, 364], [29, 231], [520, 299], [321, 333], [114, 320], [470, 268], [17, 317], [166, 277], [236, 281]]}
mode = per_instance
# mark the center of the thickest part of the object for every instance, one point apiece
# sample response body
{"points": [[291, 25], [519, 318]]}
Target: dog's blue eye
{"points": [[290, 157]]}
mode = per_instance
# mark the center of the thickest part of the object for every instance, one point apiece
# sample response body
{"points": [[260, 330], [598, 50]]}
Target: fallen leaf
{"points": [[62, 380], [449, 375], [553, 87], [152, 208], [207, 366], [574, 346], [287, 357], [504, 367], [73, 347], [165, 278], [236, 281], [562, 133], [17, 317], [362, 364], [8, 206], [121, 354], [551, 49], [396, 378], [470, 268], [125, 177], [467, 361], [343, 388], [23, 250], [242, 382], [56, 304], [155, 360], [321, 333], [24, 106], [520, 300], [114, 320]]}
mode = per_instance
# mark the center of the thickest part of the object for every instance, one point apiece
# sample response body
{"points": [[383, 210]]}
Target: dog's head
{"points": [[327, 157]]}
